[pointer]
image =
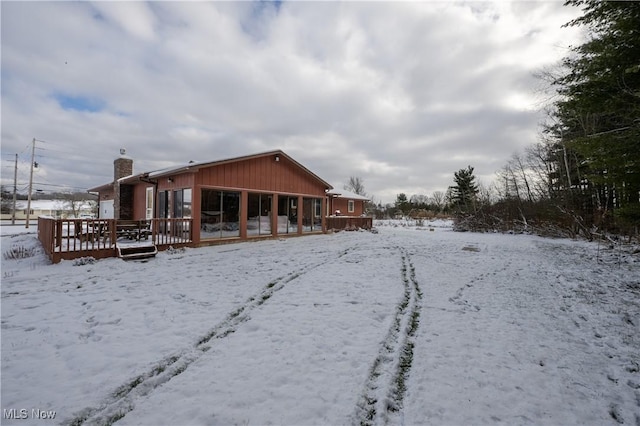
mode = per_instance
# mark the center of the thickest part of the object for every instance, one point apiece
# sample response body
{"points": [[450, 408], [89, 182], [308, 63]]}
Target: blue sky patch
{"points": [[79, 103], [255, 23]]}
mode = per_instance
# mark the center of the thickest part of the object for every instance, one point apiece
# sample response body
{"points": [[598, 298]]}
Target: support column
{"points": [[196, 213], [323, 214], [274, 215], [300, 214], [244, 213]]}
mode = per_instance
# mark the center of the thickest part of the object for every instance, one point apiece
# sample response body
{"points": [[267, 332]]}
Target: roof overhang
{"points": [[101, 188], [347, 194], [193, 167]]}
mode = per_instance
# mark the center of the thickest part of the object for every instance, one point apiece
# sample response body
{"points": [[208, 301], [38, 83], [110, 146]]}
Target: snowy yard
{"points": [[406, 326]]}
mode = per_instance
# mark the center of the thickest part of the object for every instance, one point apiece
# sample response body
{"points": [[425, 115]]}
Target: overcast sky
{"points": [[400, 94]]}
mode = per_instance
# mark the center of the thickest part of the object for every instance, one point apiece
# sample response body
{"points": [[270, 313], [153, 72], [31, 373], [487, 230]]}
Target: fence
{"points": [[349, 223], [73, 238]]}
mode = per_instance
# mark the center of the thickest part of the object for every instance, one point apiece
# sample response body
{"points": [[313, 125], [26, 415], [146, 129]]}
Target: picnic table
{"points": [[96, 230], [90, 230], [133, 229]]}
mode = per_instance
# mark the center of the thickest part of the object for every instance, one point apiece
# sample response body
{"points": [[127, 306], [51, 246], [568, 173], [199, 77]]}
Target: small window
{"points": [[352, 206]]}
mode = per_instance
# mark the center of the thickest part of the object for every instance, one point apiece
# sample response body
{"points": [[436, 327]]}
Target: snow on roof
{"points": [[194, 165], [44, 205], [343, 193]]}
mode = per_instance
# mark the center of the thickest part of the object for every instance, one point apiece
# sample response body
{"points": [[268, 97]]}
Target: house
{"points": [[52, 208], [261, 195], [346, 203]]}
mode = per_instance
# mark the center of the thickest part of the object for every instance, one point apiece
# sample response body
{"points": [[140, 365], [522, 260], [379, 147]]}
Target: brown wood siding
{"points": [[106, 194], [180, 181], [140, 204], [342, 204], [261, 174]]}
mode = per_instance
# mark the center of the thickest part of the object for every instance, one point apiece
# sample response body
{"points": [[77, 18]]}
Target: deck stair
{"points": [[133, 252]]}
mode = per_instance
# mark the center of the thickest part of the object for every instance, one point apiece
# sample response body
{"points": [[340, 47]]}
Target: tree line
{"points": [[583, 176]]}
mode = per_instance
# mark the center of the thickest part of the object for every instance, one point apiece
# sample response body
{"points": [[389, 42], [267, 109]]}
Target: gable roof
{"points": [[343, 193], [194, 166]]}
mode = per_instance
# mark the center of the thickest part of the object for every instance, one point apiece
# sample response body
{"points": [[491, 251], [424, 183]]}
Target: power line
{"points": [[24, 149]]}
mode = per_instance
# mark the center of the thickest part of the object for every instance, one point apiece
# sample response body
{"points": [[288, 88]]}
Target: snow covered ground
{"points": [[412, 325]]}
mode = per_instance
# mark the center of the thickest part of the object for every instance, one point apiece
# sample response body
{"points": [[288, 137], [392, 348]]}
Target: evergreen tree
{"points": [[463, 195], [402, 203], [598, 116]]}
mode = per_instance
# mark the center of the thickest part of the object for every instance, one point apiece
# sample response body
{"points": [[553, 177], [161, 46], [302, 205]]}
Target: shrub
{"points": [[19, 252], [89, 260]]}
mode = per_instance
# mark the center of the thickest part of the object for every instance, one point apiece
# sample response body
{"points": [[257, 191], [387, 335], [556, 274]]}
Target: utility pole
{"points": [[33, 155], [15, 190]]}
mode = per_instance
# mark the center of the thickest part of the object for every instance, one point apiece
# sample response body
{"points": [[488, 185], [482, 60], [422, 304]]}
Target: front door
{"points": [[106, 209]]}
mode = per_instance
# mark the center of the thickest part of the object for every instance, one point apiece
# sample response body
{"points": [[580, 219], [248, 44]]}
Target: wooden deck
{"points": [[100, 238], [68, 239], [349, 223]]}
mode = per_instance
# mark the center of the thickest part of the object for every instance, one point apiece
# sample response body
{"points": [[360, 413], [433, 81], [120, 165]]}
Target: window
{"points": [[163, 204], [317, 219], [351, 206], [287, 214], [259, 214], [219, 214], [149, 203], [182, 203], [311, 217], [163, 210]]}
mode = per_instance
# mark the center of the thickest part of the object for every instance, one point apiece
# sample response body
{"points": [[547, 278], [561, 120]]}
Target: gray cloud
{"points": [[400, 94]]}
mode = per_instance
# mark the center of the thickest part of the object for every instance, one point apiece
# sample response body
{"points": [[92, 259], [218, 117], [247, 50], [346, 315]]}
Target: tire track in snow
{"points": [[386, 384], [122, 400]]}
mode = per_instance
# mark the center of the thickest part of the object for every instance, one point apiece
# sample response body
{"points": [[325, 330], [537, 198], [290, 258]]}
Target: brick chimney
{"points": [[122, 166]]}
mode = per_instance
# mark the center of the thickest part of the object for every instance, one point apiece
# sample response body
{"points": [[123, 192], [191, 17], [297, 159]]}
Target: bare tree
{"points": [[355, 185], [419, 201], [74, 202], [7, 203], [522, 170], [540, 168], [438, 199]]}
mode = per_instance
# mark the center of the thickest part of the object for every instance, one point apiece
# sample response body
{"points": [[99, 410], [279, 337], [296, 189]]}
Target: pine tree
{"points": [[402, 203], [599, 113], [464, 194]]}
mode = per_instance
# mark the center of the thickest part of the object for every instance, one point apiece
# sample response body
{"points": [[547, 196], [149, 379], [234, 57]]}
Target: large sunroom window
{"points": [[287, 215], [219, 214], [182, 203], [311, 214], [259, 214]]}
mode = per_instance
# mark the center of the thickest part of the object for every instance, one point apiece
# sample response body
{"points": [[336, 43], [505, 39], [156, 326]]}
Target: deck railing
{"points": [[349, 223], [73, 238], [172, 232]]}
